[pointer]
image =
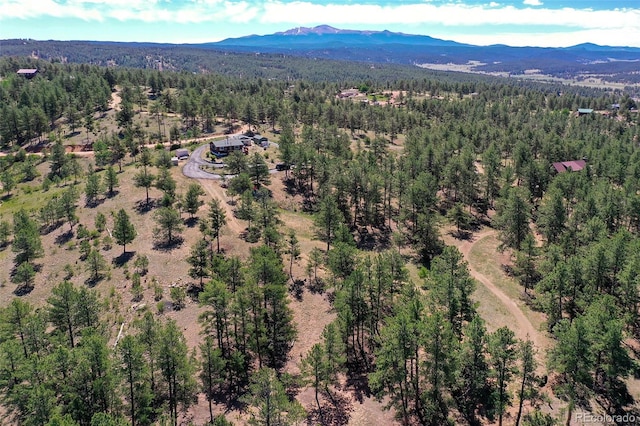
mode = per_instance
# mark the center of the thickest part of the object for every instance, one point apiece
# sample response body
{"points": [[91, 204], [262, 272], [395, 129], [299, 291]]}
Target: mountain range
{"points": [[584, 62], [390, 47]]}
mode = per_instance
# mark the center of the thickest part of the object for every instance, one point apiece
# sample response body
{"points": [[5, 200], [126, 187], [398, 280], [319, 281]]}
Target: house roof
{"points": [[27, 70], [585, 110], [569, 166], [227, 143]]}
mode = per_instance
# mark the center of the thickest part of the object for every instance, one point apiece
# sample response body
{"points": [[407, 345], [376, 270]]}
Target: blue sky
{"points": [[512, 22]]}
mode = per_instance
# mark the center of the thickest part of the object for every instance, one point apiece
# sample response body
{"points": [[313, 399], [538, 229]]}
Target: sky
{"points": [[550, 23]]}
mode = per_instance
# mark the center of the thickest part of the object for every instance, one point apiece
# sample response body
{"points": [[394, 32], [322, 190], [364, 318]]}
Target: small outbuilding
{"points": [[260, 140], [28, 72], [182, 154], [584, 111]]}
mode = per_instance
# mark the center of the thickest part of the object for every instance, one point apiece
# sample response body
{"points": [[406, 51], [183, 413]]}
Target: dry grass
{"points": [[487, 260]]}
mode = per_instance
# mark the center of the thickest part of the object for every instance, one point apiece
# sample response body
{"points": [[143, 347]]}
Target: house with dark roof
{"points": [[569, 166], [27, 72], [226, 146]]}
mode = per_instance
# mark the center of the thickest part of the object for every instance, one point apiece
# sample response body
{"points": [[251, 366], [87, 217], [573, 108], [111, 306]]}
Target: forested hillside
{"points": [[320, 291]]}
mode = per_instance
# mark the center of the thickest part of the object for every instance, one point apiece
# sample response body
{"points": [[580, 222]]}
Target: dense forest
{"points": [[381, 181]]}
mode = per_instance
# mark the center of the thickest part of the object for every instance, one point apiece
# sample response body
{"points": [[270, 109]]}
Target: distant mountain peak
{"points": [[318, 30]]}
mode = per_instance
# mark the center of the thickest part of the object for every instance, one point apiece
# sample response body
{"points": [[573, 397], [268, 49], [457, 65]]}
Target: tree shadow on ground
{"points": [[142, 207], [357, 378], [93, 281], [64, 238], [316, 286], [190, 222], [377, 240], [112, 194], [297, 289], [94, 203], [167, 246], [123, 258], [461, 235], [23, 290], [335, 413]]}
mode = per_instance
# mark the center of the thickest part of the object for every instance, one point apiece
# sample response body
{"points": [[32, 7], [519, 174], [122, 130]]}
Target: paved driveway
{"points": [[192, 166]]}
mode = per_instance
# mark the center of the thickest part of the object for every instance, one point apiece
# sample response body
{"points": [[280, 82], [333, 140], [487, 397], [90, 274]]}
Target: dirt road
{"points": [[522, 326], [213, 188]]}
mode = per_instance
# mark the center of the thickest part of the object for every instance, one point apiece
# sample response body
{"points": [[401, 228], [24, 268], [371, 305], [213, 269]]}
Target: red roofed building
{"points": [[569, 166]]}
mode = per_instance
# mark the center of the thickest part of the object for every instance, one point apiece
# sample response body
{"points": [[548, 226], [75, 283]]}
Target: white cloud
{"points": [[532, 2], [452, 14]]}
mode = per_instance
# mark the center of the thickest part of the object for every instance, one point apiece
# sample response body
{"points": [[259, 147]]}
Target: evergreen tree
{"points": [[133, 369], [123, 230], [217, 219], [144, 179], [199, 261], [92, 187], [528, 380], [503, 350], [96, 265], [177, 371], [192, 202], [23, 276], [513, 216], [26, 238], [328, 219], [111, 180], [211, 371], [270, 403], [63, 310], [169, 225], [258, 170], [68, 205]]}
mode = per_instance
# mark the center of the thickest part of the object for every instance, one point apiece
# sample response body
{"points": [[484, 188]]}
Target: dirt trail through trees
{"points": [[522, 326], [213, 188]]}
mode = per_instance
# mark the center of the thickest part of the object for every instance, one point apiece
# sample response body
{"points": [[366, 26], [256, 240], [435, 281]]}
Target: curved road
{"points": [[192, 168]]}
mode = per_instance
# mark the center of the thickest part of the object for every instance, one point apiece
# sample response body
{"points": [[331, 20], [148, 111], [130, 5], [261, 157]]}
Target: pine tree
{"points": [[169, 225], [92, 187], [503, 350], [96, 265], [328, 220], [63, 310], [258, 170], [111, 180], [293, 250], [199, 260], [26, 238], [528, 380], [23, 276], [124, 231], [270, 403], [217, 219], [211, 371], [192, 201], [177, 371], [133, 369], [513, 216]]}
